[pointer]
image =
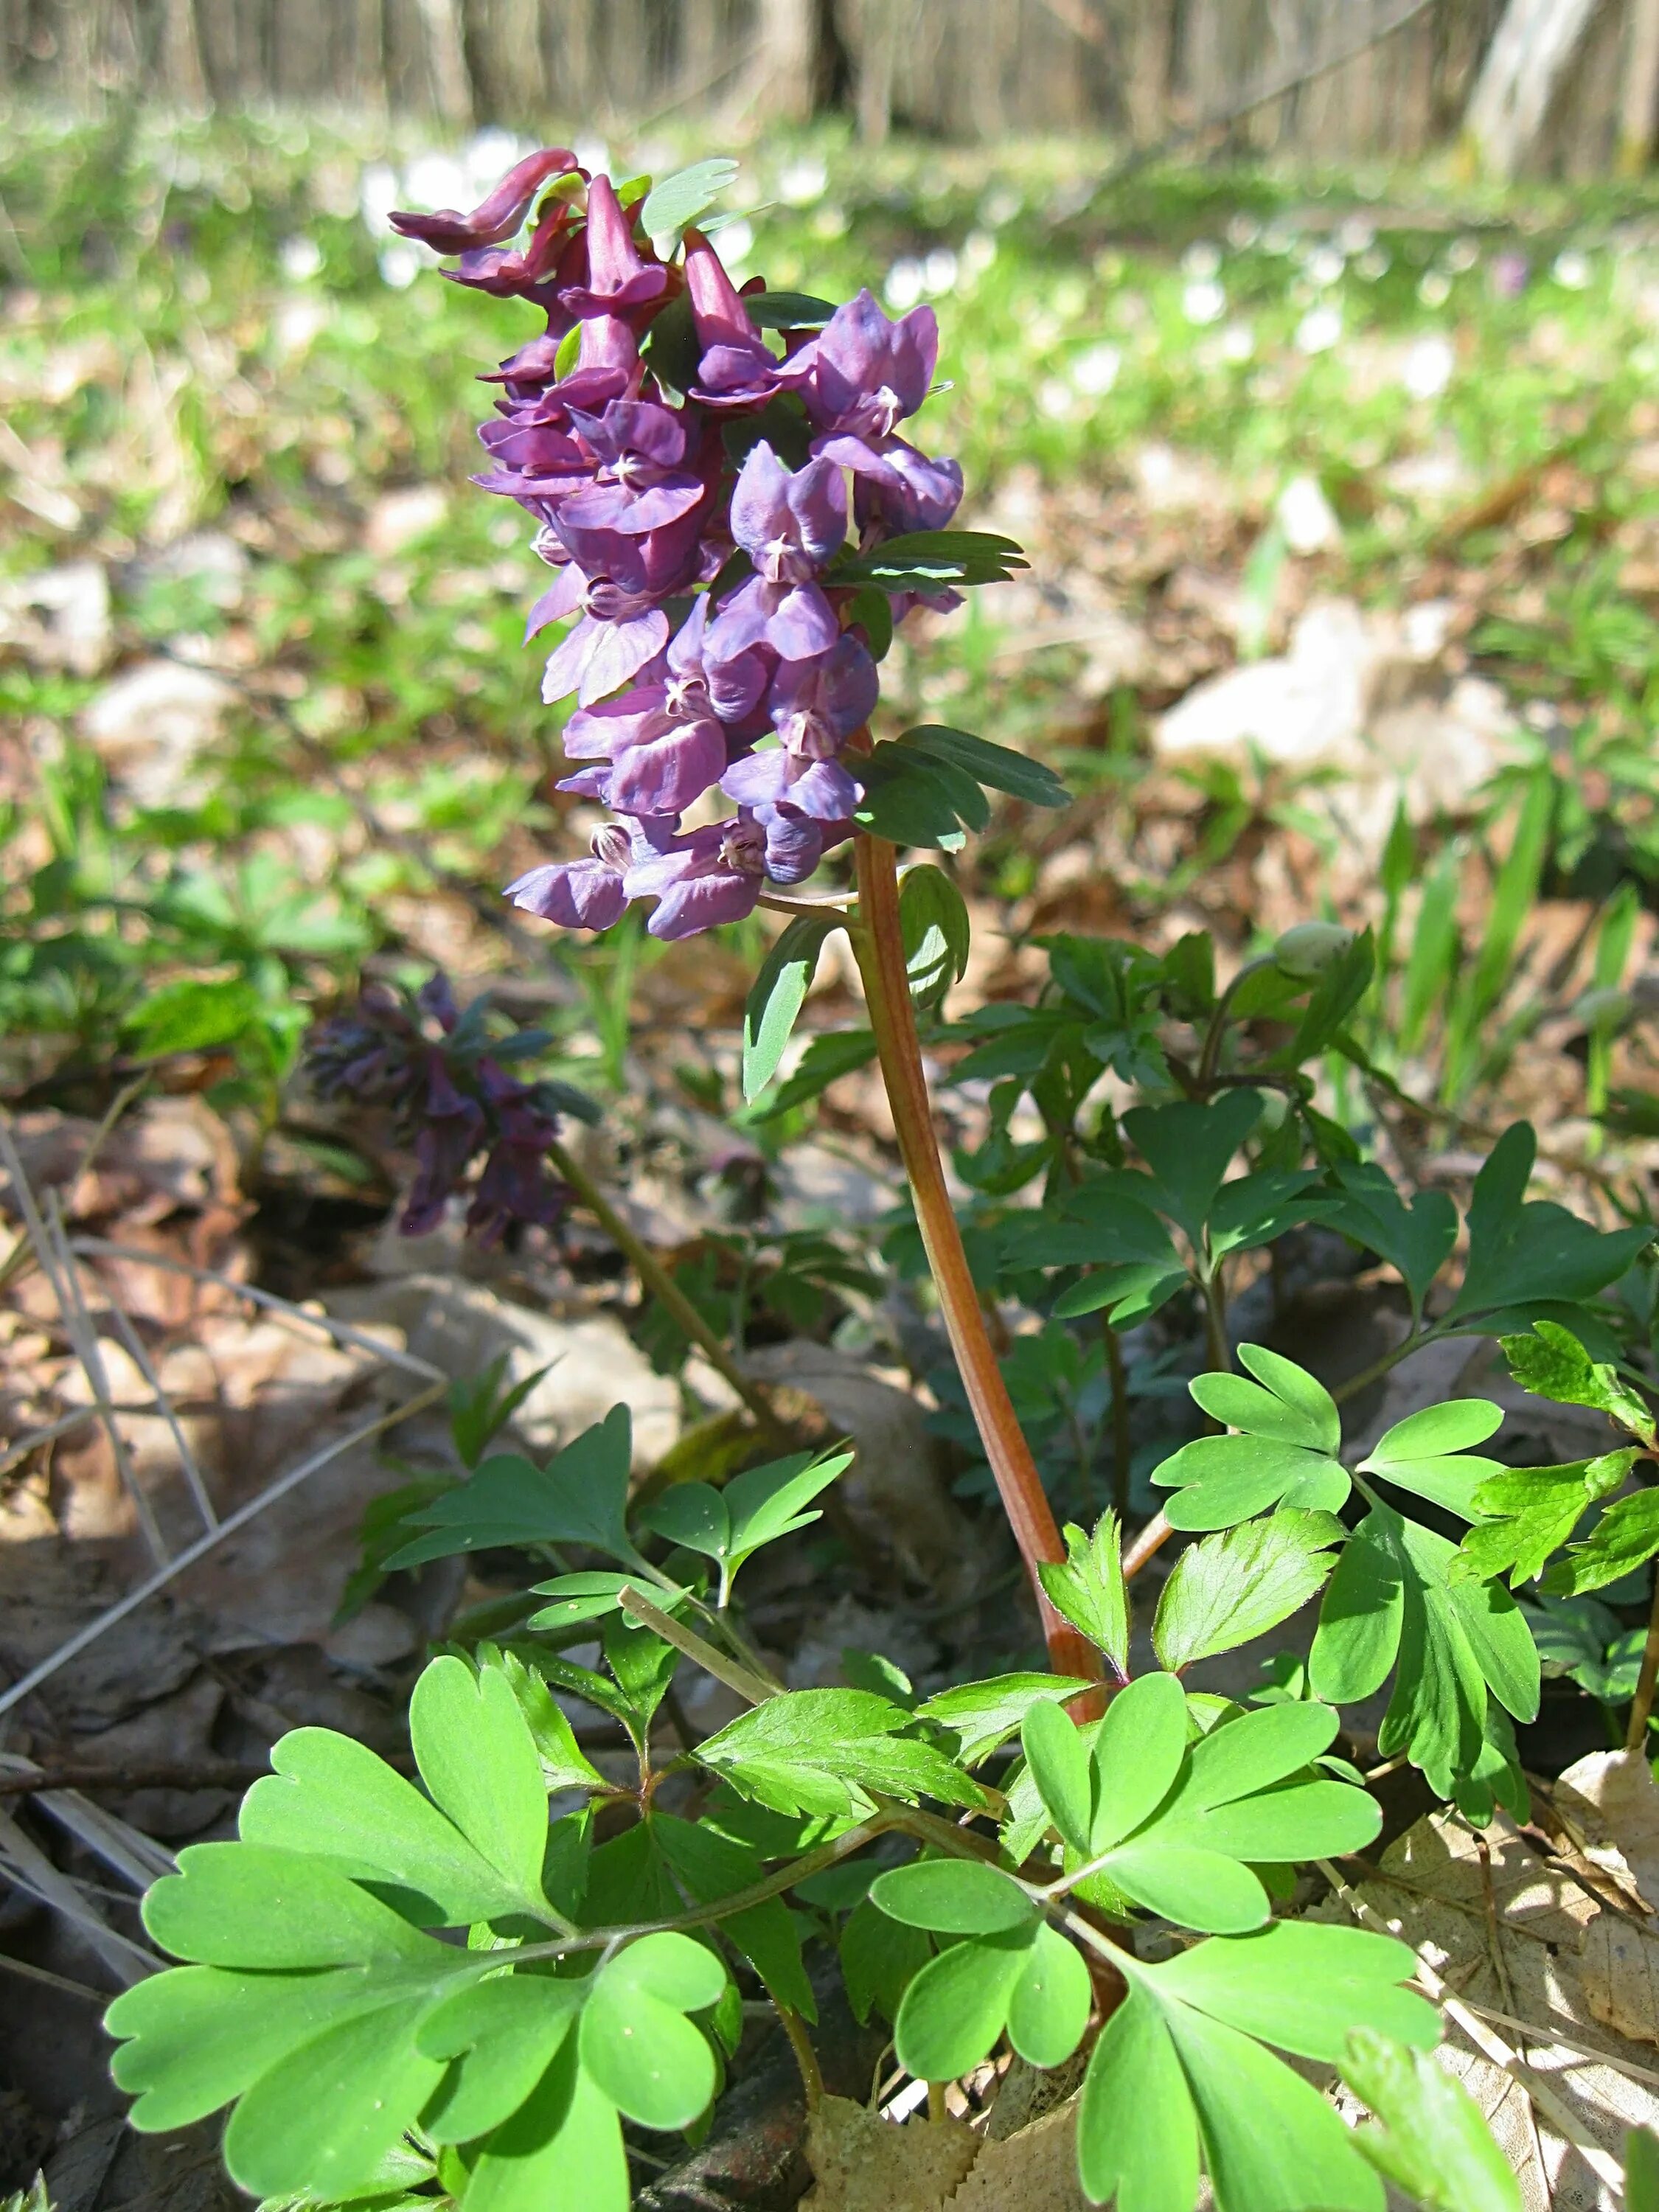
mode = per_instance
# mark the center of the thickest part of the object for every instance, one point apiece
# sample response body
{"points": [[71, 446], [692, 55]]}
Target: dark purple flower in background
{"points": [[679, 675], [431, 1065]]}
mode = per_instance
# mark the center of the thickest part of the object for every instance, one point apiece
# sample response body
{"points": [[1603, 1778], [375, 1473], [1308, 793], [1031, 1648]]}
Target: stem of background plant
{"points": [[656, 1279], [1636, 1733], [878, 945], [1212, 1047], [1121, 1444]]}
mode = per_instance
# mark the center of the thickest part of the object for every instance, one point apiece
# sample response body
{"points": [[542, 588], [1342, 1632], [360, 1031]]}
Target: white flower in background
{"points": [[1201, 260], [1320, 329], [905, 282], [1279, 237], [979, 250], [1326, 264], [1243, 233], [378, 193], [800, 183], [1204, 302], [297, 323], [1435, 289], [1571, 270], [1354, 235], [1056, 398], [1237, 342], [999, 205], [830, 221], [939, 272], [1428, 366], [1305, 516], [1097, 371], [1373, 263], [301, 259], [1462, 255], [737, 243], [401, 262]]}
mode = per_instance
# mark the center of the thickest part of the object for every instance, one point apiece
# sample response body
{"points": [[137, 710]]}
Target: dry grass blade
{"points": [[26, 1865]]}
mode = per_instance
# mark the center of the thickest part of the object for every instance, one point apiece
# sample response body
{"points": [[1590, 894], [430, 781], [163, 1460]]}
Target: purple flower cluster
{"points": [[429, 1067], [707, 648]]}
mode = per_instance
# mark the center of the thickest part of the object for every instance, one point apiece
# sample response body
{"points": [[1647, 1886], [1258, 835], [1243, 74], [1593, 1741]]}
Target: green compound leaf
{"points": [[561, 2152], [1242, 1582], [1188, 1148], [824, 1751], [776, 997], [880, 1958], [637, 2045], [1641, 2172], [956, 1896], [1529, 1512], [498, 2038], [1057, 1760], [1430, 2140], [680, 199], [1428, 1453], [1552, 1363], [478, 1759], [932, 560], [1017, 773], [1302, 1987], [579, 1498], [982, 1715], [1285, 1454], [1089, 1589], [1391, 1599]]}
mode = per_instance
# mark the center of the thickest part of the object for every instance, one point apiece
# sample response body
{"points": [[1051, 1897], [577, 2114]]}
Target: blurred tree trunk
{"points": [[1525, 63], [446, 59], [788, 67], [1641, 92], [181, 61]]}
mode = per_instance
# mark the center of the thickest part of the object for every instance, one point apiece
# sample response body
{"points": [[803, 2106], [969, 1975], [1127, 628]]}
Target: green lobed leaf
{"points": [[1526, 1513], [579, 1498], [498, 2038], [956, 1896], [1058, 1763], [1302, 1986], [1526, 1254], [933, 921], [982, 1715], [1426, 1453], [1049, 2011], [824, 1751], [561, 2152], [1625, 1538], [954, 2009], [1240, 1582], [320, 2121], [478, 1759], [1432, 2139], [1089, 1590], [1415, 1239], [708, 1867], [1017, 773], [1641, 2173], [637, 2046], [1189, 1147], [828, 1056], [1137, 2127], [880, 1958]]}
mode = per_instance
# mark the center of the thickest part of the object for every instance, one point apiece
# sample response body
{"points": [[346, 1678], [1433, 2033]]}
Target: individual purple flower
{"points": [[663, 752], [896, 489], [637, 484], [618, 276], [818, 790], [816, 705], [508, 272], [790, 524], [863, 372], [731, 687], [497, 215], [736, 368], [578, 894], [706, 877]]}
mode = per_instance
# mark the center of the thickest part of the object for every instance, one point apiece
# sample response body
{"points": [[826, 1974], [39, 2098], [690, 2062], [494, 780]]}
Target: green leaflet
{"points": [[579, 1498], [957, 1897], [1010, 1970], [1285, 1452], [1641, 2171], [1182, 2066], [1089, 1590], [1552, 1363], [777, 995], [561, 2152], [637, 2046], [1431, 2140], [1390, 1601], [1529, 1512], [499, 2037], [982, 1715], [1626, 1537], [1188, 1148], [1415, 1239], [708, 1866], [936, 931], [731, 1524], [824, 1751], [1427, 1453], [1529, 1258], [680, 199], [1242, 1582], [880, 1958]]}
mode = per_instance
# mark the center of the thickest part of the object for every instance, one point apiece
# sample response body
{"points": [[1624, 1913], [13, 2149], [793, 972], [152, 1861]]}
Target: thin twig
{"points": [[748, 1685]]}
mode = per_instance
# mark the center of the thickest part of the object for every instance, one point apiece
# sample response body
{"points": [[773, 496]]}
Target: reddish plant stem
{"points": [[878, 943]]}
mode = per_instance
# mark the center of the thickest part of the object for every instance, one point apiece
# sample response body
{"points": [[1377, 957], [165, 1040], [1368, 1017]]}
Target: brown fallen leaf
{"points": [[862, 2163], [1611, 1800], [1035, 2170]]}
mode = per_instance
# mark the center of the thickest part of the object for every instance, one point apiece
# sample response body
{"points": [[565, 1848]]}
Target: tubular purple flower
{"points": [[896, 489], [637, 484], [863, 372], [737, 369], [507, 271], [618, 276], [819, 790], [662, 759], [497, 215], [816, 705], [706, 877], [790, 524]]}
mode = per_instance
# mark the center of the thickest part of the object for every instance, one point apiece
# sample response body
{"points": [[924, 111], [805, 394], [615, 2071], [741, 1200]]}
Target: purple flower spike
{"points": [[452, 1125], [495, 217], [618, 277], [864, 373], [789, 524], [816, 705]]}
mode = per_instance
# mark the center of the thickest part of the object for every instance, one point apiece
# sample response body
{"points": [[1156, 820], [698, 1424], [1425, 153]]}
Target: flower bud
{"points": [[1311, 949]]}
